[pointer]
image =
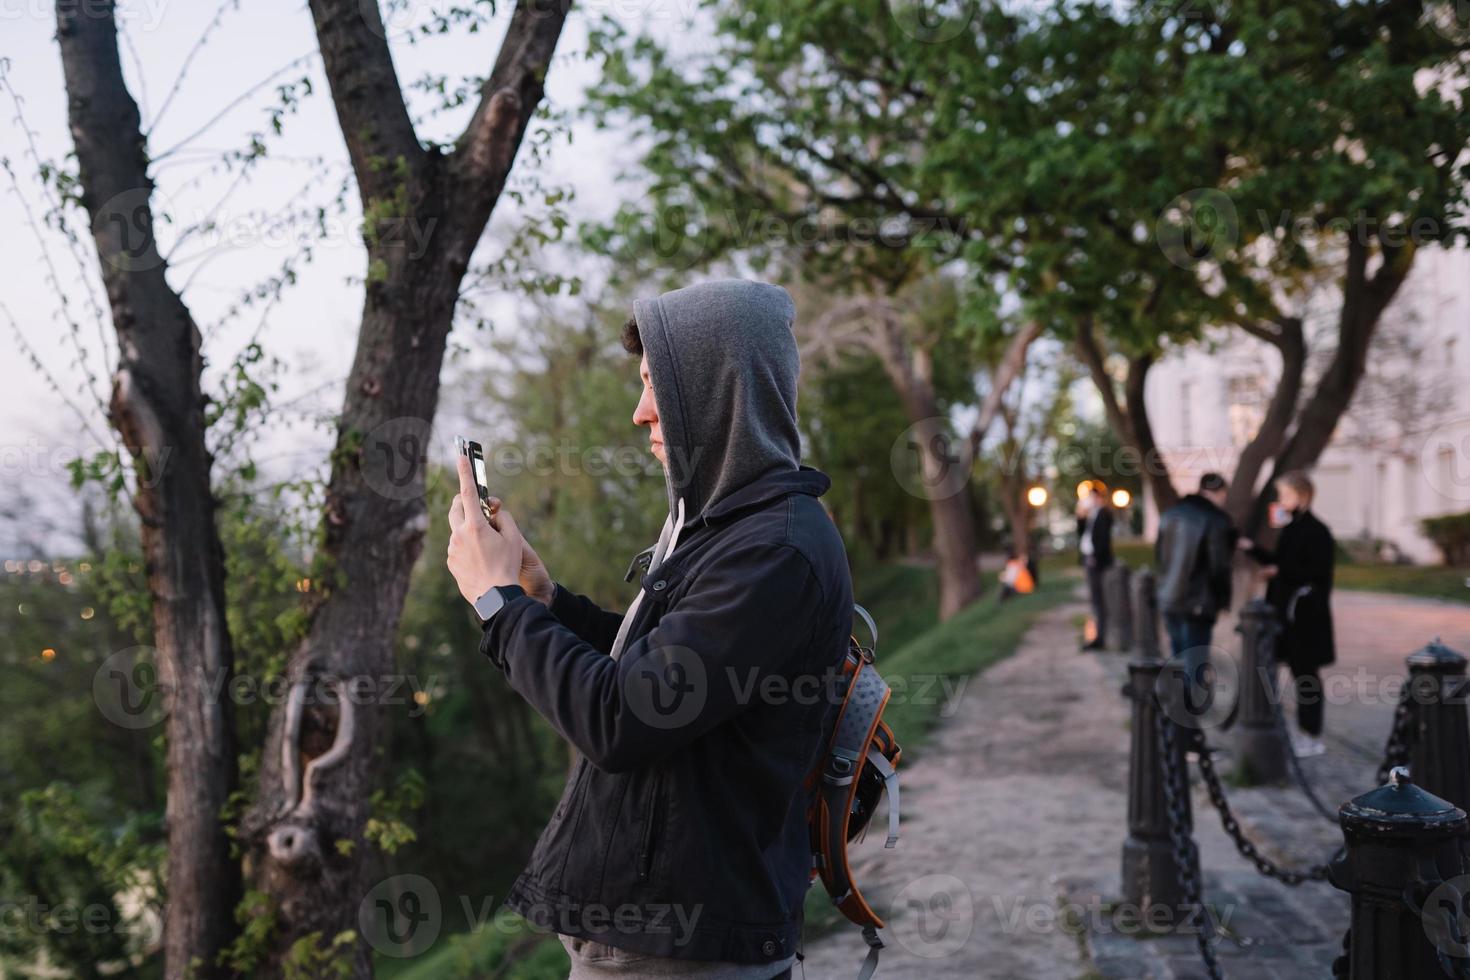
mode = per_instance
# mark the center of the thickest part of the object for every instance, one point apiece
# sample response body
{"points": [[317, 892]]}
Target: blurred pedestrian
{"points": [[1194, 555], [1299, 573], [1095, 550], [1016, 578]]}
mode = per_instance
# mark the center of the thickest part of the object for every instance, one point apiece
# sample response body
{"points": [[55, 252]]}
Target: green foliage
{"points": [[1451, 535], [388, 826], [256, 917], [311, 959]]}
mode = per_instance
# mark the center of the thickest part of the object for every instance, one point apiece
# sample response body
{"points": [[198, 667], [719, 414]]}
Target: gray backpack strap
{"points": [[666, 541], [870, 965], [890, 788]]}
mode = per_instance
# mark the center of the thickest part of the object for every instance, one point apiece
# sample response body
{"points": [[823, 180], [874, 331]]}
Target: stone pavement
{"points": [[1014, 819]]}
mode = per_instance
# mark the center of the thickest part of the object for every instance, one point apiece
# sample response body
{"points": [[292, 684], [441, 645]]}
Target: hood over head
{"points": [[724, 366]]}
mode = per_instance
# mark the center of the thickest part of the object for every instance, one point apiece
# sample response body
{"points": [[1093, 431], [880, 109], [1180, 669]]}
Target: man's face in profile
{"points": [[647, 414]]}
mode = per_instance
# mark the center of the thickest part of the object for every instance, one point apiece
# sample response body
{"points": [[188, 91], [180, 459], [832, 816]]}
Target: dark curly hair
{"points": [[632, 343]]}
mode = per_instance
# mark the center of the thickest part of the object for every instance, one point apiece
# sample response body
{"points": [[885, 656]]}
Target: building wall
{"points": [[1384, 471]]}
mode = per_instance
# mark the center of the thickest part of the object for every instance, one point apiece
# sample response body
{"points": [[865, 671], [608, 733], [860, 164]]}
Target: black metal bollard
{"points": [[1145, 614], [1150, 875], [1120, 617], [1440, 756], [1403, 844], [1258, 737]]}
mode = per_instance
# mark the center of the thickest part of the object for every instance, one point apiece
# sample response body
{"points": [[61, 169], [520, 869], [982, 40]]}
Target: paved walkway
{"points": [[1016, 813]]}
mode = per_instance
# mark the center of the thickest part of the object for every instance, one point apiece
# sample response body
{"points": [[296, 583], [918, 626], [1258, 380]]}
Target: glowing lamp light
{"points": [[1121, 498], [1036, 496]]}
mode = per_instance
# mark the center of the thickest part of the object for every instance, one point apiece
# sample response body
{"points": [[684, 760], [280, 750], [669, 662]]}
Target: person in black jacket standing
{"points": [[1095, 550], [680, 846], [1299, 586], [1194, 555]]}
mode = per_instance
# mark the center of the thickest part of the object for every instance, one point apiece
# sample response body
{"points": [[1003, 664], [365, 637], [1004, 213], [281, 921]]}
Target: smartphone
{"points": [[470, 448]]}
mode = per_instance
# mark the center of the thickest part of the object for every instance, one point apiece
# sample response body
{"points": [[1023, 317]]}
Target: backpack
{"points": [[859, 762]]}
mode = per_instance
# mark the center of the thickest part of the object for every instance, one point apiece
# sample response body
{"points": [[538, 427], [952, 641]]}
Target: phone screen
{"points": [[477, 463]]}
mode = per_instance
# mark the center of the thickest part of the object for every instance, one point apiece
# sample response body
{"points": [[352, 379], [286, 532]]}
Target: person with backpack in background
{"points": [[681, 845], [1095, 552], [1194, 552], [1299, 586]]}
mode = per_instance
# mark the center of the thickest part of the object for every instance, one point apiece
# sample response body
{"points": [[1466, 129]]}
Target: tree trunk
{"points": [[945, 479], [1267, 442], [322, 752], [955, 552], [158, 409], [1364, 299], [1129, 419]]}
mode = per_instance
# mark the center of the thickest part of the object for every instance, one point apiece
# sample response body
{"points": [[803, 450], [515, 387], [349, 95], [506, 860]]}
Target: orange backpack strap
{"points": [[856, 725]]}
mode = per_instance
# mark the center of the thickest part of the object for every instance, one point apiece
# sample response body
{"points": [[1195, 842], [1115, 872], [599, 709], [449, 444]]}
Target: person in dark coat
{"points": [[1095, 550], [1193, 552], [1299, 572]]}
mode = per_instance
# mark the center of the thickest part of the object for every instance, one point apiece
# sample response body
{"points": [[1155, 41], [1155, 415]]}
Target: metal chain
{"points": [[1401, 736], [1266, 660], [1176, 797], [1267, 867]]}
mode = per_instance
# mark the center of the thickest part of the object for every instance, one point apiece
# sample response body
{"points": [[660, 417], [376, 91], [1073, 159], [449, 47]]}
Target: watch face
{"points": [[489, 604]]}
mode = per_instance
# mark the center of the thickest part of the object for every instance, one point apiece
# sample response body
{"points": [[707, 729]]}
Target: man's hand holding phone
{"points": [[486, 548]]}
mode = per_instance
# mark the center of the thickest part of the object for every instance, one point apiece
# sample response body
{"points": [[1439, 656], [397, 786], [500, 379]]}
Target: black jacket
{"points": [[1102, 538], [688, 796], [682, 829], [1194, 551], [1301, 591]]}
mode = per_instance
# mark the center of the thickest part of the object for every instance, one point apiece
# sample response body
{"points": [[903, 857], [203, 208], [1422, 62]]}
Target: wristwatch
{"points": [[494, 600]]}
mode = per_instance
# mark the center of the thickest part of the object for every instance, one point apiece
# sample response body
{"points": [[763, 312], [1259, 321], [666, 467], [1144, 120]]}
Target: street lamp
{"points": [[1121, 498], [1036, 496]]}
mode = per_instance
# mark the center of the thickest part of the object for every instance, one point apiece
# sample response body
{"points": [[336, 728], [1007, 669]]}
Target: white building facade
{"points": [[1402, 451]]}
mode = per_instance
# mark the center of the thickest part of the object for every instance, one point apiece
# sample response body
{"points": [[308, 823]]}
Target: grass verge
{"points": [[916, 654]]}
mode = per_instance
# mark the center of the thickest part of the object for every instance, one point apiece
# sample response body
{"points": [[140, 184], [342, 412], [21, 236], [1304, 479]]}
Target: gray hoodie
{"points": [[724, 366]]}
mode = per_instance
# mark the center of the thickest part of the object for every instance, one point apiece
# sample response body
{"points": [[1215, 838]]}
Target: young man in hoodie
{"points": [[680, 846]]}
